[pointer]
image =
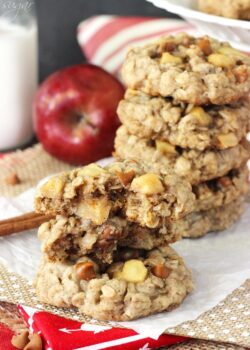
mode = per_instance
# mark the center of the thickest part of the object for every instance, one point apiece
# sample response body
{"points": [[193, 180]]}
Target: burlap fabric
{"points": [[227, 322], [30, 166], [205, 345]]}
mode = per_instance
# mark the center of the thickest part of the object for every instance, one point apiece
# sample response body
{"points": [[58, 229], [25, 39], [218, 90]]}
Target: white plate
{"points": [[237, 32]]}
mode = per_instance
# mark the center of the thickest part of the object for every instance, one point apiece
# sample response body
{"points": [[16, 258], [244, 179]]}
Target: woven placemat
{"points": [[204, 345], [229, 321], [30, 165]]}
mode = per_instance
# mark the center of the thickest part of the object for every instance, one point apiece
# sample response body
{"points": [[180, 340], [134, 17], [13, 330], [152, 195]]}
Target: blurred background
{"points": [[58, 20], [23, 67]]}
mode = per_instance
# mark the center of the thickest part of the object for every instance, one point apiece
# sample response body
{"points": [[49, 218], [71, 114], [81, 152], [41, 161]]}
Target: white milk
{"points": [[18, 82]]}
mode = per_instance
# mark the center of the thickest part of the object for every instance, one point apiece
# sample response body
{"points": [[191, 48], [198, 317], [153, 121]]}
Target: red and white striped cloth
{"points": [[106, 39]]}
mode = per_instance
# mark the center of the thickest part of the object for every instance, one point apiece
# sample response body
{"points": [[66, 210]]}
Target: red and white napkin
{"points": [[61, 334], [5, 338], [106, 39]]}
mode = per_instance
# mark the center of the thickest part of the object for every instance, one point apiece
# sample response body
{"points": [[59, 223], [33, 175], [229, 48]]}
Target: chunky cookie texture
{"points": [[193, 165], [222, 190], [199, 223], [192, 70], [237, 9], [70, 238], [96, 194], [155, 281], [185, 125]]}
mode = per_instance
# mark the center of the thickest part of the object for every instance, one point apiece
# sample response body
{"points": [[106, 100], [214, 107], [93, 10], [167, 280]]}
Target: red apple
{"points": [[74, 113]]}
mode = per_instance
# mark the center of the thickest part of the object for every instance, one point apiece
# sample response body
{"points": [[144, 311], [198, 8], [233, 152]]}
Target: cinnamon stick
{"points": [[22, 223], [27, 216]]}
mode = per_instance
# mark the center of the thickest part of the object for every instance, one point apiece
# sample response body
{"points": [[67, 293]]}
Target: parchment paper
{"points": [[220, 263]]}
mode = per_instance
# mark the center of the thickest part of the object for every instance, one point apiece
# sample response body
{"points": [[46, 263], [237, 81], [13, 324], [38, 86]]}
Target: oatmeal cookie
{"points": [[198, 224], [192, 70], [70, 238], [184, 125], [237, 9], [222, 190], [193, 165], [95, 194], [155, 281]]}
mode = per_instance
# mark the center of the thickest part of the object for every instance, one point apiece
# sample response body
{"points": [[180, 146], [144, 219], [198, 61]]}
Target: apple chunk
{"points": [[74, 113]]}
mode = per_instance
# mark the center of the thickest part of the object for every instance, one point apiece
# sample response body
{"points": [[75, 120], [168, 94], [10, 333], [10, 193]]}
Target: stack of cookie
{"points": [[187, 109], [107, 249], [239, 9]]}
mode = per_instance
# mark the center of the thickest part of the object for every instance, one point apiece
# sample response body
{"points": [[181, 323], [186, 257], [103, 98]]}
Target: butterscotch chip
{"points": [[20, 340], [183, 125], [13, 179], [167, 47], [225, 181], [126, 178], [85, 271], [161, 271], [35, 342], [204, 45], [195, 71], [136, 293]]}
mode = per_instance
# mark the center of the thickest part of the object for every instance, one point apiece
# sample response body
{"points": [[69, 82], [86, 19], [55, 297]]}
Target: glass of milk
{"points": [[18, 71]]}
